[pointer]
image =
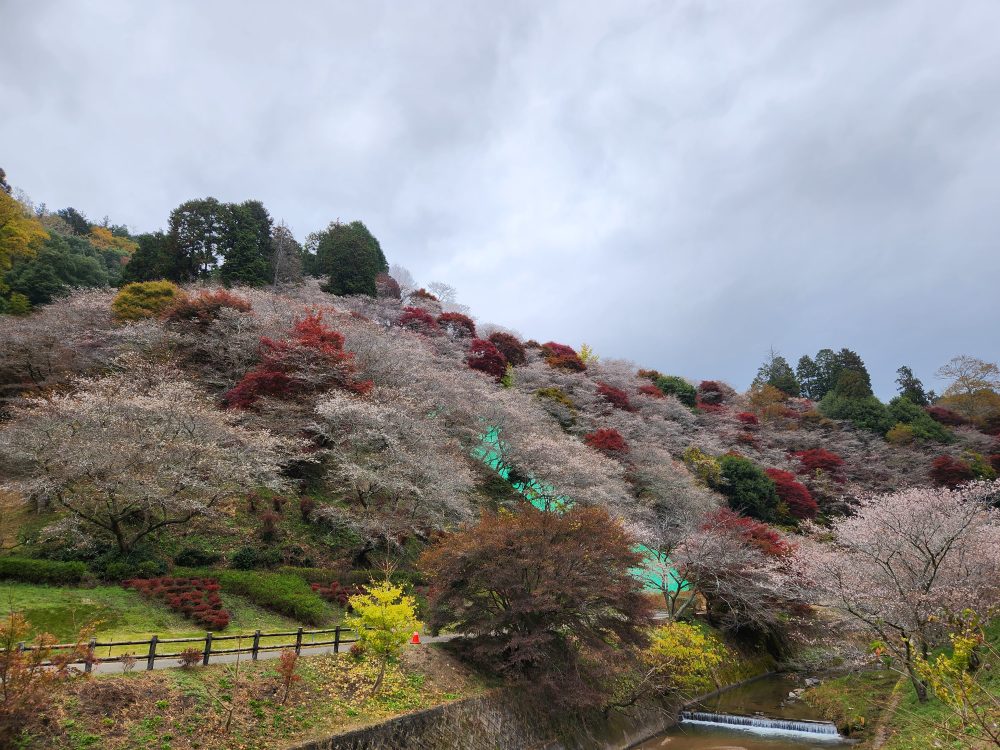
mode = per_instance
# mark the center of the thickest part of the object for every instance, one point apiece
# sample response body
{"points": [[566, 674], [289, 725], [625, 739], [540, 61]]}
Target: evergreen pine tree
{"points": [[351, 256]]}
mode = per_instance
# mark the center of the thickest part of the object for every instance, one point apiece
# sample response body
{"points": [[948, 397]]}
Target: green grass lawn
{"points": [[856, 701], [121, 614], [182, 709], [853, 702], [915, 725]]}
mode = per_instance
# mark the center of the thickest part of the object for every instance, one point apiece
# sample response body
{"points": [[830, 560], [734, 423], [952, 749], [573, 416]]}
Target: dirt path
{"points": [[882, 728]]}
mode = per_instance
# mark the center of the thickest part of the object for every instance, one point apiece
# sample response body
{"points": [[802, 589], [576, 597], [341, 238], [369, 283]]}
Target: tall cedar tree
{"points": [[351, 256], [534, 591], [910, 387], [152, 261], [246, 244], [196, 238], [818, 377], [776, 371]]}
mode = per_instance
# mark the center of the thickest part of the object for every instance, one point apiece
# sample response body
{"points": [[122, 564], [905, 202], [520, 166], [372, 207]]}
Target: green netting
{"points": [[490, 451]]}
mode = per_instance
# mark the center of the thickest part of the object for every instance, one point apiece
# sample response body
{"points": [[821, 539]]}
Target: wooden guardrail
{"points": [[341, 637]]}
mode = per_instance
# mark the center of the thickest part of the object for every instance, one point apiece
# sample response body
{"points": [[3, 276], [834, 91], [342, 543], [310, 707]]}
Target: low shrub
{"points": [[607, 440], [280, 592], [120, 570], [651, 390], [866, 413], [921, 425], [747, 488], [16, 304], [747, 417], [312, 575], [312, 359], [192, 557], [614, 396], [950, 472], [335, 593], [901, 434], [711, 392], [457, 325], [196, 598], [485, 357], [203, 308], [562, 357], [251, 558], [794, 494], [759, 534], [558, 404], [41, 571], [387, 287], [424, 295], [269, 525], [945, 416], [982, 467], [709, 407], [818, 459], [682, 659], [189, 657], [512, 349], [419, 320], [143, 299], [705, 468], [679, 388], [306, 506]]}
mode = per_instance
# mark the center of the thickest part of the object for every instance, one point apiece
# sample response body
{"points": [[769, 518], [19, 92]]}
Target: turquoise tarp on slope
{"points": [[490, 452]]}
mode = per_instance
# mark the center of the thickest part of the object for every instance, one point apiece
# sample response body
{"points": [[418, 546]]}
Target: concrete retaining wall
{"points": [[473, 724]]}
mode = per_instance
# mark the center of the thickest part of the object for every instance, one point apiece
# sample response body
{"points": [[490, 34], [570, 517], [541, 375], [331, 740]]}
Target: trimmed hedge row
{"points": [[41, 571], [311, 575], [286, 594]]}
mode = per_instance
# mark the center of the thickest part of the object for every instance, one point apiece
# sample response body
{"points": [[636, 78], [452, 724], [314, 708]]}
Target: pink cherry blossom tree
{"points": [[907, 559]]}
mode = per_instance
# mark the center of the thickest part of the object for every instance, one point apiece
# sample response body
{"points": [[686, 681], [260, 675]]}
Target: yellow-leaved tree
{"points": [[683, 660], [20, 232], [102, 238], [679, 663], [964, 680], [587, 355], [974, 391], [384, 619]]}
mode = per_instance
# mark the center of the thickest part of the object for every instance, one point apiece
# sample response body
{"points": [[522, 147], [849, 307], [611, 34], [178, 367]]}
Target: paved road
{"points": [[114, 667]]}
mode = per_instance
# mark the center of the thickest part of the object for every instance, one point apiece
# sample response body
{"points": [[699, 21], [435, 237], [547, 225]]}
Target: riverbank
{"points": [[881, 710]]}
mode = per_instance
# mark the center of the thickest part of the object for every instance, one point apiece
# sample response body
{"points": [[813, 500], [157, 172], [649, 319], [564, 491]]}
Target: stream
{"points": [[756, 716]]}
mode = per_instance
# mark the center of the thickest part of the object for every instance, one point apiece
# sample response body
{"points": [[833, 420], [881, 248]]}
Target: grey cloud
{"points": [[680, 183]]}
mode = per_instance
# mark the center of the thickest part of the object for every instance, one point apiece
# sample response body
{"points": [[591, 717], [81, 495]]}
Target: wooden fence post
{"points": [[256, 645], [298, 641], [336, 640], [88, 664], [208, 648], [151, 657]]}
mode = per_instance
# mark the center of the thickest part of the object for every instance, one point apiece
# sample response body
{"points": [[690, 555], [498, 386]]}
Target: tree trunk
{"points": [[378, 680], [918, 685]]}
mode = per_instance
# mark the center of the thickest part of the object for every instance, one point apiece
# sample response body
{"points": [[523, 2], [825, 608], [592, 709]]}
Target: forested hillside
{"points": [[218, 399]]}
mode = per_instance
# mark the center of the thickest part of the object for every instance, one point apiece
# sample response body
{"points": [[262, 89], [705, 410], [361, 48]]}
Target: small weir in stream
{"points": [[765, 714], [762, 724]]}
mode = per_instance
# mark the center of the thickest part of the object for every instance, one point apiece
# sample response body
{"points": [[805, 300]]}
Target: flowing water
{"points": [[756, 716]]}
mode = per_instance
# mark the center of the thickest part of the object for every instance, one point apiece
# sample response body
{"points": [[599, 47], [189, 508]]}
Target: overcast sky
{"points": [[684, 184]]}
